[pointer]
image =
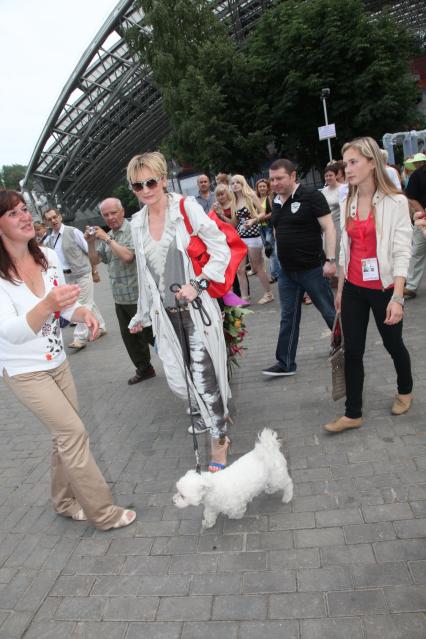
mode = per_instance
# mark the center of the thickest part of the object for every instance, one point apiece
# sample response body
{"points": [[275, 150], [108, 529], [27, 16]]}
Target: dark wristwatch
{"points": [[202, 283], [330, 259]]}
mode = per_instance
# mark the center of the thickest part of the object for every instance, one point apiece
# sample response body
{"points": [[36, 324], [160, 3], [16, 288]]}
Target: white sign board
{"points": [[327, 131]]}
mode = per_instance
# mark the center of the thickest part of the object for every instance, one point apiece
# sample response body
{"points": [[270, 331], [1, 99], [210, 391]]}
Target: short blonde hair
{"points": [[155, 161], [222, 188]]}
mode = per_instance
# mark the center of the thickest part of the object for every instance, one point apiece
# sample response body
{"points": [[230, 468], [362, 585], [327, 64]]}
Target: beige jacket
{"points": [[393, 232]]}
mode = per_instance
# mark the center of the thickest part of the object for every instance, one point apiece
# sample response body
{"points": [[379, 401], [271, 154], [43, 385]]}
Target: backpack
{"points": [[197, 252]]}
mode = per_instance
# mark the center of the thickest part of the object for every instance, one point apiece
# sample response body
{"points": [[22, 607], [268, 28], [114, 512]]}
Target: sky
{"points": [[41, 41]]}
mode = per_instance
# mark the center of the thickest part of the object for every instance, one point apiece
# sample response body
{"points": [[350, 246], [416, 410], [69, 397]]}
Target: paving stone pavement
{"points": [[347, 558]]}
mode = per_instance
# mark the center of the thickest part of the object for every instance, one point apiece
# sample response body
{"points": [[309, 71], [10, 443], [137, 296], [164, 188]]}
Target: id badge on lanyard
{"points": [[370, 269], [369, 265]]}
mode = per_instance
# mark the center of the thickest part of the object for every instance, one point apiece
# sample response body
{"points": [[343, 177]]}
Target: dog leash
{"points": [[205, 318]]}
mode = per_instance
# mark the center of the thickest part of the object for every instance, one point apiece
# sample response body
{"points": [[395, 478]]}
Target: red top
{"points": [[362, 234]]}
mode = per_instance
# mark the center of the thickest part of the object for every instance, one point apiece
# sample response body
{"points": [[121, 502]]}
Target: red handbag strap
{"points": [[185, 215]]}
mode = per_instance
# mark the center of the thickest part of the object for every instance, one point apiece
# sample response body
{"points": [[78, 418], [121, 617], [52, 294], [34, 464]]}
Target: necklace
{"points": [[30, 276]]}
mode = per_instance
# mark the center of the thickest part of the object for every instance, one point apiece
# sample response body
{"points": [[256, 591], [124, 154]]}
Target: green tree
{"points": [[298, 48], [206, 86], [11, 174]]}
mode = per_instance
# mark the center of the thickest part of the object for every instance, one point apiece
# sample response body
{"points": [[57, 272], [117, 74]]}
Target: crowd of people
{"points": [[354, 234]]}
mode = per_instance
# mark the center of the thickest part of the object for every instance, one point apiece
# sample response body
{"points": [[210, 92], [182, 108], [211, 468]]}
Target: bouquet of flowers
{"points": [[235, 330]]}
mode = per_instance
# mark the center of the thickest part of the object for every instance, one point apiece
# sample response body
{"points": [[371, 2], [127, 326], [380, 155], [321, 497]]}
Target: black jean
{"points": [[356, 304], [137, 344]]}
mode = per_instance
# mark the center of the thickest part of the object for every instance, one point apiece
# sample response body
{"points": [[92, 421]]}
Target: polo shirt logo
{"points": [[295, 206]]}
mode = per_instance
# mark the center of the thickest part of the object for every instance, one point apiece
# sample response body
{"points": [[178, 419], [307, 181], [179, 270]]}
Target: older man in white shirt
{"points": [[72, 251]]}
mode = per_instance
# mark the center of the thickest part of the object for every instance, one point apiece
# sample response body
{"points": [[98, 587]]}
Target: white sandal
{"points": [[80, 515]]}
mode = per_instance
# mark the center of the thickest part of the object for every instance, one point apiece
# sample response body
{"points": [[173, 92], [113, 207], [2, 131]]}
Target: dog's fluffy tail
{"points": [[267, 444]]}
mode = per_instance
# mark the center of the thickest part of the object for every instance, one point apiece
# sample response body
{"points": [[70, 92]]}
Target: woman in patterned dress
{"points": [[247, 212]]}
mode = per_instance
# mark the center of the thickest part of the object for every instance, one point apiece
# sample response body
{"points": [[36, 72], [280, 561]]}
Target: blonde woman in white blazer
{"points": [[160, 240], [375, 253]]}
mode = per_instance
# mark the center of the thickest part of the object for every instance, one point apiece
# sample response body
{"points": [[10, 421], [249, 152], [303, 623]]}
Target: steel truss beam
{"points": [[110, 108]]}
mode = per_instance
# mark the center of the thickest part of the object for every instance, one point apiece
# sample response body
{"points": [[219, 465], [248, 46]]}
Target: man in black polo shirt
{"points": [[416, 193], [300, 218]]}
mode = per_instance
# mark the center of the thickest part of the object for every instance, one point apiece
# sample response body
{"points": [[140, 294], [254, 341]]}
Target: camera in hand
{"points": [[269, 249]]}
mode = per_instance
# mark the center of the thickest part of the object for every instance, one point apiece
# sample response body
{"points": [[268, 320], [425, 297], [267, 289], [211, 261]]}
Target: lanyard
{"points": [[56, 241]]}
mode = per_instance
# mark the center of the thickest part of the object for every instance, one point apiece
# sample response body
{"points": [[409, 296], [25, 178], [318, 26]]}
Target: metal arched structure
{"points": [[110, 109]]}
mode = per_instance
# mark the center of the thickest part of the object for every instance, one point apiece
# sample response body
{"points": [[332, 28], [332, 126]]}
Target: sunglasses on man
{"points": [[150, 183]]}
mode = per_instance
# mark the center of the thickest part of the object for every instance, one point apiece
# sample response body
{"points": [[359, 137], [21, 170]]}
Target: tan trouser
{"points": [[76, 479]]}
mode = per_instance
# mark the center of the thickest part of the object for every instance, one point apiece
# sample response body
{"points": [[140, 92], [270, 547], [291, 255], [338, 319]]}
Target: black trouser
{"points": [[356, 304], [137, 344]]}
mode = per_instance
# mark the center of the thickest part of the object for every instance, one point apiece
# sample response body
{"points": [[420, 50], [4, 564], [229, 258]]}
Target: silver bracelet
{"points": [[195, 284], [399, 299]]}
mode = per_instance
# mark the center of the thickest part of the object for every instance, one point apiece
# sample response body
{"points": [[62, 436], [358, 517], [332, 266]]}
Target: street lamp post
{"points": [[325, 93]]}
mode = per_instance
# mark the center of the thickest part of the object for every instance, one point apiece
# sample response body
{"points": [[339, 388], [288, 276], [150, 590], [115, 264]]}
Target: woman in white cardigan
{"points": [[33, 296], [375, 252], [160, 240]]}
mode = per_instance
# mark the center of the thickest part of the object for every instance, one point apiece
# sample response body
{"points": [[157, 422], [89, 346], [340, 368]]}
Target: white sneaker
{"points": [[195, 411], [200, 427]]}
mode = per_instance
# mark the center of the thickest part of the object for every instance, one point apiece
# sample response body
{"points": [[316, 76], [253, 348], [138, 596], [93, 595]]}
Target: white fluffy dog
{"points": [[263, 469]]}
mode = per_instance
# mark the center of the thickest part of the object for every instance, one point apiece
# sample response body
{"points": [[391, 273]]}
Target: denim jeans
{"points": [[291, 286], [356, 305], [274, 264]]}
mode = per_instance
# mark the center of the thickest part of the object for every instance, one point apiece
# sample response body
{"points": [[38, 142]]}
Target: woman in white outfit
{"points": [[33, 296], [160, 240]]}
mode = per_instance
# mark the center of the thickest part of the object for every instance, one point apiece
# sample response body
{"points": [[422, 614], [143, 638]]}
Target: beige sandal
{"points": [[127, 518], [267, 297], [402, 404]]}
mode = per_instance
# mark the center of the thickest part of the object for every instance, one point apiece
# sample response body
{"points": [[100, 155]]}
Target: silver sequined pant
{"points": [[201, 370]]}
